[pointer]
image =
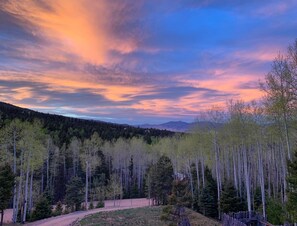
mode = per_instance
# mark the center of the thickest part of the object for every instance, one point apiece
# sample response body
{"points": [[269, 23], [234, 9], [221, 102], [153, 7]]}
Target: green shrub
{"points": [[166, 214], [74, 193], [276, 214], [167, 209], [208, 201], [59, 209], [67, 210], [229, 201], [42, 210], [100, 204], [82, 207]]}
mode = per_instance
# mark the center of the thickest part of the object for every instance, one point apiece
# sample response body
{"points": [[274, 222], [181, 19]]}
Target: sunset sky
{"points": [[137, 61]]}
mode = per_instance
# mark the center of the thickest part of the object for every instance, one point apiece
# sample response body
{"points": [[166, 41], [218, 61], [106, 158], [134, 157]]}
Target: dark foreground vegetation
{"points": [[247, 163]]}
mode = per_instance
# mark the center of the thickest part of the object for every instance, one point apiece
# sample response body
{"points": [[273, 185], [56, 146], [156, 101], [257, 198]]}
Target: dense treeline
{"points": [[62, 128], [47, 151], [103, 169], [246, 163]]}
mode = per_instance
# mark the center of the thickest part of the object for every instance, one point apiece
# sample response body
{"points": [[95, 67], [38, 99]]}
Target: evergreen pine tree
{"points": [[276, 213], [292, 195], [6, 188], [42, 210], [181, 195], [74, 193], [208, 199], [230, 202], [162, 177], [257, 199]]}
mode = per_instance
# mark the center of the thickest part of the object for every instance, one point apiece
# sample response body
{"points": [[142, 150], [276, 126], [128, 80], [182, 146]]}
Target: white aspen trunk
{"points": [[30, 192], [274, 175], [191, 180], [220, 171], [15, 180], [218, 179], [26, 190], [114, 195], [247, 180], [53, 176], [15, 214], [139, 173], [149, 188], [121, 195], [47, 166], [90, 182], [235, 172], [284, 176], [228, 171], [217, 167], [174, 166], [203, 175], [64, 167], [217, 175], [109, 164], [87, 185], [141, 178], [287, 136], [262, 181], [197, 173], [239, 172], [74, 160], [125, 171], [269, 181], [121, 176], [268, 157], [42, 178], [73, 163]]}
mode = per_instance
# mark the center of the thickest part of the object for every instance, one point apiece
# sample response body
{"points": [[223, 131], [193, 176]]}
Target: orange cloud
{"points": [[82, 27], [263, 54], [225, 82], [70, 83]]}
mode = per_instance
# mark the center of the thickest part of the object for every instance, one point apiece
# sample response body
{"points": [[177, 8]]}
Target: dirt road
{"points": [[68, 219]]}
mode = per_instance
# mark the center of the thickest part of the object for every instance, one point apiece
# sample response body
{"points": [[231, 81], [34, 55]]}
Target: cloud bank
{"points": [[136, 62]]}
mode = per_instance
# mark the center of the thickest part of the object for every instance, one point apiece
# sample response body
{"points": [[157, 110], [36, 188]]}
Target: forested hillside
{"points": [[247, 163], [63, 128]]}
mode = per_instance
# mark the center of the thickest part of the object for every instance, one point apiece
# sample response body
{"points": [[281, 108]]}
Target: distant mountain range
{"points": [[177, 126]]}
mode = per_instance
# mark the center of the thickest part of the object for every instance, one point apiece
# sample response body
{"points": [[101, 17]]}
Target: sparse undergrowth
{"points": [[141, 217]]}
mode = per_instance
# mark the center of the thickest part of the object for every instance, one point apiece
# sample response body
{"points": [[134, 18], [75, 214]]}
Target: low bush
{"points": [[100, 204], [42, 210]]}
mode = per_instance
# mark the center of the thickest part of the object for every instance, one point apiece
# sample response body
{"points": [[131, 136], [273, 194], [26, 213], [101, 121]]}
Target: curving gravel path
{"points": [[68, 219]]}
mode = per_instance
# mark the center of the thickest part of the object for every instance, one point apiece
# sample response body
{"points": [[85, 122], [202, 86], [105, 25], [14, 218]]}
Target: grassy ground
{"points": [[11, 224], [140, 217], [197, 219]]}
